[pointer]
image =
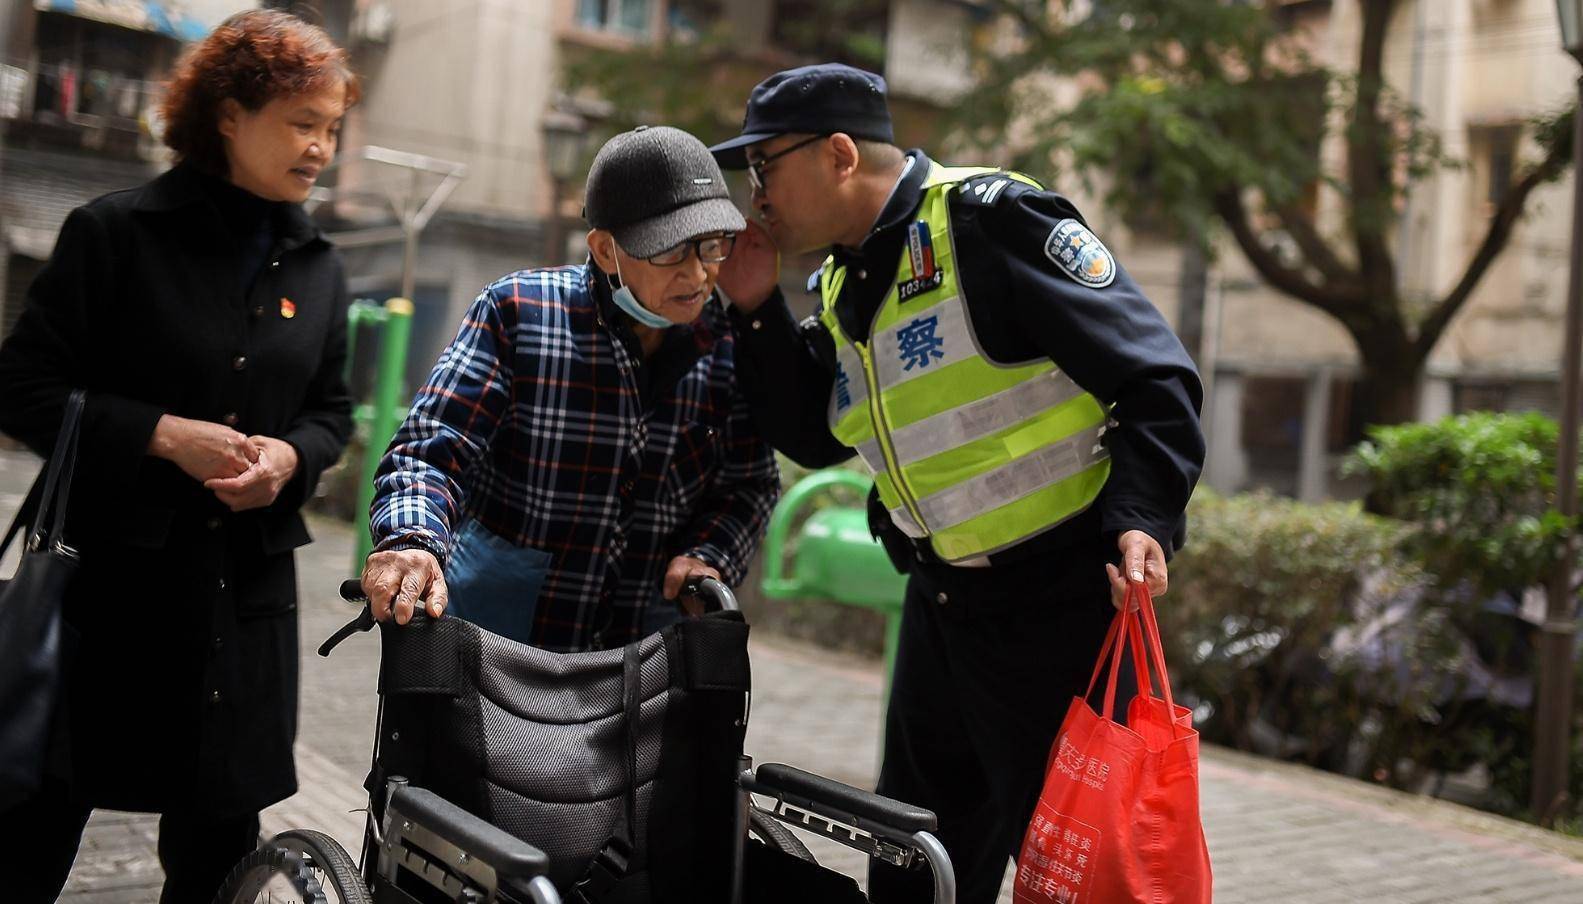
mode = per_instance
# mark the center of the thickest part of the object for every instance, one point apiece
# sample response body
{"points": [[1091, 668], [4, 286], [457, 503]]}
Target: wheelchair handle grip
{"points": [[352, 591], [715, 595]]}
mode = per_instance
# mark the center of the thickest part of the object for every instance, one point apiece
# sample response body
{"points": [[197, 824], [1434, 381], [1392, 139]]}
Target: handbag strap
{"points": [[50, 493], [62, 467], [24, 514]]}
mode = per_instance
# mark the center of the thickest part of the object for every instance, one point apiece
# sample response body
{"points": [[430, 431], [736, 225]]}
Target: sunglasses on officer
{"points": [[711, 249], [756, 167]]}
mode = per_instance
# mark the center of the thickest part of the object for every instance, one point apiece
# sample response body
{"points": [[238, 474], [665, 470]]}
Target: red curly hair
{"points": [[253, 57]]}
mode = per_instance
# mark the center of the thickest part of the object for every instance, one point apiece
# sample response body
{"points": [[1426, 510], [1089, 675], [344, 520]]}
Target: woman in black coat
{"points": [[205, 317]]}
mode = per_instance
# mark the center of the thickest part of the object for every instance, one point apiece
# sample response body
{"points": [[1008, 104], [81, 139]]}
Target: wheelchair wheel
{"points": [[296, 867], [772, 832]]}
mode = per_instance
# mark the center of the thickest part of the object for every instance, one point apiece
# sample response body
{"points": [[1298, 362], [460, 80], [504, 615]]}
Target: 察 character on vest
{"points": [[1030, 419]]}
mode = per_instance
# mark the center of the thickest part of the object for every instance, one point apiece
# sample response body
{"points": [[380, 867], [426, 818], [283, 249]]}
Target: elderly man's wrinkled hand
{"points": [[681, 570], [396, 580]]}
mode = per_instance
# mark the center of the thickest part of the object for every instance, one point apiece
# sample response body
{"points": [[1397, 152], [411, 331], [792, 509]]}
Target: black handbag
{"points": [[30, 621]]}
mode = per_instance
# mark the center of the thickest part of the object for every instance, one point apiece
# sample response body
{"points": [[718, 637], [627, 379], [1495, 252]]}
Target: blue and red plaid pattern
{"points": [[531, 423]]}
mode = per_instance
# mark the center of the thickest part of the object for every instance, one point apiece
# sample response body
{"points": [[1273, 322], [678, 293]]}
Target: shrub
{"points": [[1260, 591]]}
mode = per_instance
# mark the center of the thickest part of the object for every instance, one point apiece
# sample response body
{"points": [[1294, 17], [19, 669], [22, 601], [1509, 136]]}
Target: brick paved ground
{"points": [[1276, 832]]}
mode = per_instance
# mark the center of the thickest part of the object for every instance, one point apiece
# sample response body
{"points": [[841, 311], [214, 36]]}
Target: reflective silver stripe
{"points": [[906, 525], [931, 344], [903, 521], [977, 419], [1013, 480], [871, 455], [935, 337], [855, 388]]}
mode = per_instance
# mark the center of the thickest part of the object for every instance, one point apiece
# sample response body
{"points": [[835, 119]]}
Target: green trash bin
{"points": [[835, 558], [383, 414]]}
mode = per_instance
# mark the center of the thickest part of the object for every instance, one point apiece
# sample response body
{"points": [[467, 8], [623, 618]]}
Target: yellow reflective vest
{"points": [[973, 455]]}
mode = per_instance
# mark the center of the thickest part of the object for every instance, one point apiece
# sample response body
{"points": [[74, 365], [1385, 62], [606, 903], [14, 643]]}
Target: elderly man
{"points": [[581, 448]]}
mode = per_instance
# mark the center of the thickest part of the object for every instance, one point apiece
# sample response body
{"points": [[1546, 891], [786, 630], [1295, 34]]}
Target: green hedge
{"points": [[1256, 595], [1267, 586]]}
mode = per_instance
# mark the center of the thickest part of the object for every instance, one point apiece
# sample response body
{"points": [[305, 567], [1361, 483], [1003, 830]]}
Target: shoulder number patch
{"points": [[1080, 254]]}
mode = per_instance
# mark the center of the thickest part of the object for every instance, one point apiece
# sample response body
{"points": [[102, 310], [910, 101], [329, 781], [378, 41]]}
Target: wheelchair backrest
{"points": [[535, 742]]}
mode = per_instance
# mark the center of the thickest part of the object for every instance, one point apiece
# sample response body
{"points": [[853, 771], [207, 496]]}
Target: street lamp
{"points": [[1552, 737], [564, 134]]}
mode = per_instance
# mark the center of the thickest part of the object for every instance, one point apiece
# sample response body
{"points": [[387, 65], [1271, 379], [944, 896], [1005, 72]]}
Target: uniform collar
{"points": [[900, 206], [891, 210]]}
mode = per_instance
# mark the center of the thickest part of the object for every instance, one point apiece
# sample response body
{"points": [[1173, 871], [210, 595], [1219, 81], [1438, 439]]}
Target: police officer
{"points": [[1030, 418]]}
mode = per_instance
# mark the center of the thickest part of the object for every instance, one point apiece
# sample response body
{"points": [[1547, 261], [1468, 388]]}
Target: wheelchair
{"points": [[476, 792]]}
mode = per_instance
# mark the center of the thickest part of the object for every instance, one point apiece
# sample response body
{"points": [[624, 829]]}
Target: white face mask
{"points": [[628, 302]]}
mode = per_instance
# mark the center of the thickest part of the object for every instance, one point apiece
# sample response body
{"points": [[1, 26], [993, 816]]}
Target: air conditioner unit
{"points": [[374, 24]]}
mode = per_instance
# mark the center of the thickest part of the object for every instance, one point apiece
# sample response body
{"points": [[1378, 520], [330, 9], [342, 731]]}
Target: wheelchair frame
{"points": [[466, 859]]}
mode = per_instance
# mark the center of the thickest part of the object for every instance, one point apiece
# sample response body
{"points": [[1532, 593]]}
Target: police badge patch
{"points": [[1080, 254]]}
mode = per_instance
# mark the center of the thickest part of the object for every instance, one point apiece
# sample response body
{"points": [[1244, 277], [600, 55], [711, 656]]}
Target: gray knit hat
{"points": [[654, 188]]}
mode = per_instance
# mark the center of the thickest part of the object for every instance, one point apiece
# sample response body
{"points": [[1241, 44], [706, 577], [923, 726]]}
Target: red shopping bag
{"points": [[1118, 819]]}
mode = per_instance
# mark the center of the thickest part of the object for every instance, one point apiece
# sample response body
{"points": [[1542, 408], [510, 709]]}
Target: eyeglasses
{"points": [[756, 168], [711, 249]]}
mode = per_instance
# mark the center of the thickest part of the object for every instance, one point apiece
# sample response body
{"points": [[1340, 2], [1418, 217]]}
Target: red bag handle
{"points": [[1111, 649], [1140, 626], [1104, 653]]}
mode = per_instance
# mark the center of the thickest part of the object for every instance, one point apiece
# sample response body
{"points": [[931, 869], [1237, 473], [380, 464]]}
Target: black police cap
{"points": [[815, 100]]}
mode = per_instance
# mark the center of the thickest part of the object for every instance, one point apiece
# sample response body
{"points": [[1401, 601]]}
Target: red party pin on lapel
{"points": [[288, 309]]}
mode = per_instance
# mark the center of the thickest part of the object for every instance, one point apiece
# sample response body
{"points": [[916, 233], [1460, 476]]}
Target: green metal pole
{"points": [[396, 330], [776, 584]]}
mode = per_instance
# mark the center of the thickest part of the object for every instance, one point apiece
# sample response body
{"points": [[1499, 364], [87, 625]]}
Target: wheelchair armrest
{"points": [[510, 856], [820, 794]]}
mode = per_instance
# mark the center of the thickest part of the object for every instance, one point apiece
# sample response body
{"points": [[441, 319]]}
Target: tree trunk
{"points": [[1192, 285], [1387, 393]]}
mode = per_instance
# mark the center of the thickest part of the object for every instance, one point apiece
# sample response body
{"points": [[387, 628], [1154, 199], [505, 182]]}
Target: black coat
{"points": [[182, 690]]}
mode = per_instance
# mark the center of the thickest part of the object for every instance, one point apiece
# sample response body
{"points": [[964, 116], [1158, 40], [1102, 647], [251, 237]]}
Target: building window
{"points": [[1543, 396], [629, 17], [689, 19], [89, 73]]}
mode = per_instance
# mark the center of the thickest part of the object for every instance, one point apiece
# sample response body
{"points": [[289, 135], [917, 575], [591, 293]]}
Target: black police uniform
{"points": [[990, 657]]}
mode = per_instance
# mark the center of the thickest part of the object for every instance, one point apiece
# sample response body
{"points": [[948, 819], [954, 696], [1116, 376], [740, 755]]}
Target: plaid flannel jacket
{"points": [[533, 424]]}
